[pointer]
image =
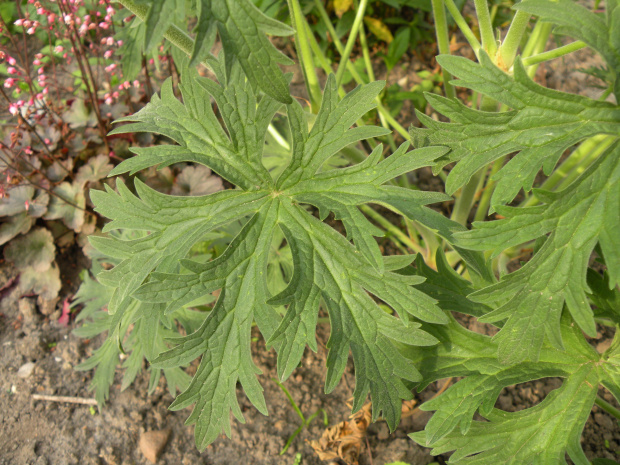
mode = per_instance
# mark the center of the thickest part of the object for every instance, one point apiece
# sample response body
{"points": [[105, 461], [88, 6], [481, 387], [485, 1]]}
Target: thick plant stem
{"points": [[603, 404], [467, 197], [486, 27], [443, 42], [555, 53], [359, 17], [305, 55], [510, 45], [463, 26]]}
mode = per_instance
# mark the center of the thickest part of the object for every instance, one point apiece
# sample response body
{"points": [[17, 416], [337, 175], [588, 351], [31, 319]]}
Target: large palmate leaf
{"points": [[542, 124], [327, 267], [531, 299]]}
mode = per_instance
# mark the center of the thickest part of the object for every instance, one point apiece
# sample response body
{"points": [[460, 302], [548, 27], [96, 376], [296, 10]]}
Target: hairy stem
{"points": [[603, 404], [510, 45], [555, 53], [486, 27], [463, 26]]}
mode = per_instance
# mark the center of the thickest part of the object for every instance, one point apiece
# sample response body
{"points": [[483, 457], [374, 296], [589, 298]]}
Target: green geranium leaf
{"points": [[327, 267]]}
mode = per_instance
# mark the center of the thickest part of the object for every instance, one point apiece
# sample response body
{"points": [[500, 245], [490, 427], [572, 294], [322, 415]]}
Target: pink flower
{"points": [[40, 71], [109, 101], [59, 49], [110, 68], [119, 43], [19, 22], [103, 25], [108, 54], [67, 19], [13, 109], [36, 62], [44, 91], [27, 205], [31, 30], [136, 84], [11, 70], [51, 18], [27, 23], [41, 11], [47, 141], [12, 61], [8, 83]]}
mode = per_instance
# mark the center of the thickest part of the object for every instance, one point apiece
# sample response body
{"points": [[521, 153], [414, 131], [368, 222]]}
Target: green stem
{"points": [[510, 45], [536, 44], [486, 27], [467, 197], [389, 227], [443, 42], [485, 200], [305, 55], [359, 17], [603, 404], [555, 53], [371, 78], [463, 26]]}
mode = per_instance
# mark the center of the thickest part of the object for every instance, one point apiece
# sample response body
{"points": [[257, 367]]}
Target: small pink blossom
{"points": [[110, 68], [13, 109], [40, 71], [109, 101], [12, 61], [103, 25], [31, 30], [11, 70], [108, 54], [37, 62], [19, 22], [59, 49], [27, 205], [8, 83]]}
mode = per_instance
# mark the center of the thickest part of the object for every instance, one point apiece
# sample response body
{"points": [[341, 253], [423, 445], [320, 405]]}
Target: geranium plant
{"points": [[493, 149]]}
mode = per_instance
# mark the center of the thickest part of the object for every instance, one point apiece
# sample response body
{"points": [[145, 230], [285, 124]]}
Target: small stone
{"points": [[604, 420], [28, 309], [383, 432], [153, 442], [47, 307], [279, 425], [25, 370]]}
